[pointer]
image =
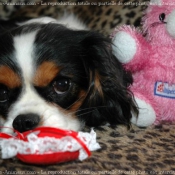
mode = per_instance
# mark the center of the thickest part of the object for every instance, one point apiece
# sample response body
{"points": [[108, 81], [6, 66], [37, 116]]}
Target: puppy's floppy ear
{"points": [[108, 98]]}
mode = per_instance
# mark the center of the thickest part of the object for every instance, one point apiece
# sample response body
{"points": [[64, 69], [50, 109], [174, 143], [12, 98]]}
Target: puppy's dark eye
{"points": [[162, 17], [61, 85], [3, 94]]}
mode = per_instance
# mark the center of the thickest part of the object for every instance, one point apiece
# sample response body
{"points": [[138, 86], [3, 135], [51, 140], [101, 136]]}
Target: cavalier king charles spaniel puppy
{"points": [[58, 73]]}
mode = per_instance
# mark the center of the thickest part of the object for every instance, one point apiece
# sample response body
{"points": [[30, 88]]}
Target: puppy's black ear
{"points": [[108, 98]]}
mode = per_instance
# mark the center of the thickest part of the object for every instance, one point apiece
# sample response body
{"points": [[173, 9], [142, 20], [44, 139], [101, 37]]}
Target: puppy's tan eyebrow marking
{"points": [[45, 73], [9, 78]]}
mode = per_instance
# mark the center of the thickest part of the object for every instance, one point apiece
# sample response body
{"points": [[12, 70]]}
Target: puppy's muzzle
{"points": [[25, 122]]}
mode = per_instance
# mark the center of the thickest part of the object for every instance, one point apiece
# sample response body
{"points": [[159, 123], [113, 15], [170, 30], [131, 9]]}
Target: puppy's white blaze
{"points": [[24, 49]]}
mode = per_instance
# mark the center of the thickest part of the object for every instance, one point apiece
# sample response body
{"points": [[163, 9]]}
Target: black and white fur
{"points": [[94, 85]]}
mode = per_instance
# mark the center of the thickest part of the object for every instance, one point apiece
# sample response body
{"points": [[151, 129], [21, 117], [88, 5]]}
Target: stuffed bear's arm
{"points": [[130, 47]]}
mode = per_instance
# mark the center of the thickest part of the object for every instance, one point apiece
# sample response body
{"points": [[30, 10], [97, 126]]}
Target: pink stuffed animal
{"points": [[150, 56]]}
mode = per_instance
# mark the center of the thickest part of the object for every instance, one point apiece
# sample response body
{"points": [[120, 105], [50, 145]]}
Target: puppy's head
{"points": [[54, 76]]}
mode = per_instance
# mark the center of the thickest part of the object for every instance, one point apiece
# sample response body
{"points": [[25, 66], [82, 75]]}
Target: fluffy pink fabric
{"points": [[154, 61]]}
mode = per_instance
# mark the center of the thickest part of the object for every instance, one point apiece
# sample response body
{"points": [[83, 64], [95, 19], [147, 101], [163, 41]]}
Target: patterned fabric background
{"points": [[135, 151]]}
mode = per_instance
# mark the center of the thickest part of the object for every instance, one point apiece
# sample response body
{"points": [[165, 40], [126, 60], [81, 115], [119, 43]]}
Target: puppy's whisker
{"points": [[80, 110], [88, 109], [85, 113], [94, 108]]}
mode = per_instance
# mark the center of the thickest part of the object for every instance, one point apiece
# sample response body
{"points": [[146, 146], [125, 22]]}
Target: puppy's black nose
{"points": [[26, 122]]}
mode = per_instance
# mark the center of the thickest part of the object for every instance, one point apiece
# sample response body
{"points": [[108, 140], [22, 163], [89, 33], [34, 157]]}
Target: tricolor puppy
{"points": [[62, 76]]}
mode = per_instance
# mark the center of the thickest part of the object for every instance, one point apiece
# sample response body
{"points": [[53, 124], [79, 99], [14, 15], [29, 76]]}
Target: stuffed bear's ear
{"points": [[108, 98]]}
